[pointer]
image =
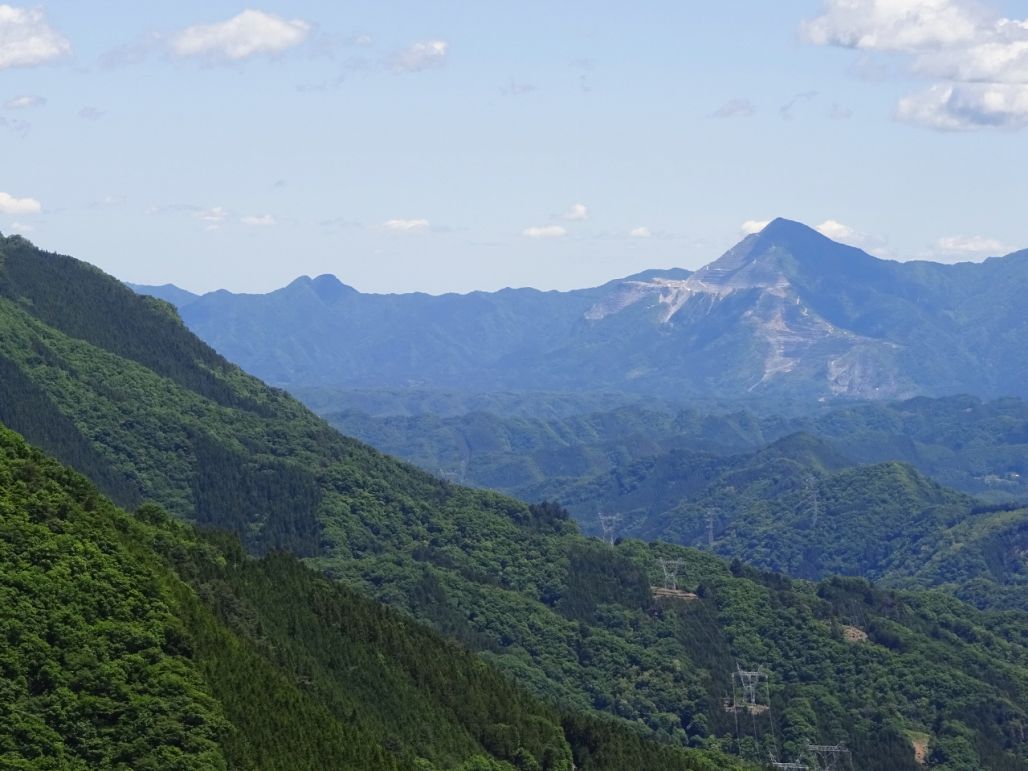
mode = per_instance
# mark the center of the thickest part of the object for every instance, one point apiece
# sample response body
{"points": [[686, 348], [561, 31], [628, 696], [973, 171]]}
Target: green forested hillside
{"points": [[673, 475], [135, 642], [978, 447], [799, 508], [568, 618]]}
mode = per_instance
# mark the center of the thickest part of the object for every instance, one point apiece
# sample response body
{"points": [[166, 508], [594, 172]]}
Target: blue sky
{"points": [[451, 146]]}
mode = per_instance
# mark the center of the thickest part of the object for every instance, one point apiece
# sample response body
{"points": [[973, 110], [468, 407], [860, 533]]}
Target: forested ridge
{"points": [[137, 642], [799, 504], [571, 620], [513, 443]]}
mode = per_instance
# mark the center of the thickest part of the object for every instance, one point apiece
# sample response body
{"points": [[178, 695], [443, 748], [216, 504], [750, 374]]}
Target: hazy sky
{"points": [[439, 146]]}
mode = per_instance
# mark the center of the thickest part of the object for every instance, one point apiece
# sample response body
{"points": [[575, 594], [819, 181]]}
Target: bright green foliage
{"points": [[565, 618], [94, 667], [136, 643]]}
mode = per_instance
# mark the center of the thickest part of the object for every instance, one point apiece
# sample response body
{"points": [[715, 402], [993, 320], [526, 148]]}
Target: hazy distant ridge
{"points": [[786, 312]]}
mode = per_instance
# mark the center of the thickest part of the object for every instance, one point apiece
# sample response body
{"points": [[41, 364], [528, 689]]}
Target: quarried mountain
{"points": [[786, 313]]}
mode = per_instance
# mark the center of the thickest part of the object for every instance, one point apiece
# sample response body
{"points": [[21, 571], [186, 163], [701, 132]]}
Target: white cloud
{"points": [[971, 246], [1000, 55], [91, 113], [215, 215], [11, 205], [749, 227], [892, 25], [407, 226], [258, 219], [979, 60], [248, 34], [845, 234], [26, 39], [420, 56], [578, 212], [24, 102], [735, 108], [836, 230], [544, 231], [967, 106], [640, 232]]}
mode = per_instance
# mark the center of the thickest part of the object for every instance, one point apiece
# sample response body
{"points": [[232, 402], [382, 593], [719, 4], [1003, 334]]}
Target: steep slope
{"points": [[571, 619], [787, 313], [135, 642]]}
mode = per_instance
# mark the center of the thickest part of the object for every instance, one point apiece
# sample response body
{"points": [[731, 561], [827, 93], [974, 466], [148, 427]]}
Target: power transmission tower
{"points": [[711, 514], [789, 766], [813, 500], [827, 756], [670, 568], [610, 523], [456, 477], [749, 681]]}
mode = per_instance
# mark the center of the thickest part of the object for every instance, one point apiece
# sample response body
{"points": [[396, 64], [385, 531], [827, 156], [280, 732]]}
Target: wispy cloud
{"points": [[407, 225], [91, 113], [24, 102], [735, 108], [749, 227], [577, 212], [213, 217], [26, 39], [250, 33], [16, 125], [839, 112], [846, 234], [420, 56], [11, 205], [518, 89], [260, 220], [970, 247], [544, 231], [978, 59], [786, 110], [640, 232]]}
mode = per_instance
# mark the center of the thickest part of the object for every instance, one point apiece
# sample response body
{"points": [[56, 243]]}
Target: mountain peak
{"points": [[780, 227], [329, 288], [785, 246], [326, 286]]}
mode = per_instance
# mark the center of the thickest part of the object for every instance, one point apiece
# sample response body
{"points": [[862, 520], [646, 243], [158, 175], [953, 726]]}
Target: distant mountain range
{"points": [[785, 313]]}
